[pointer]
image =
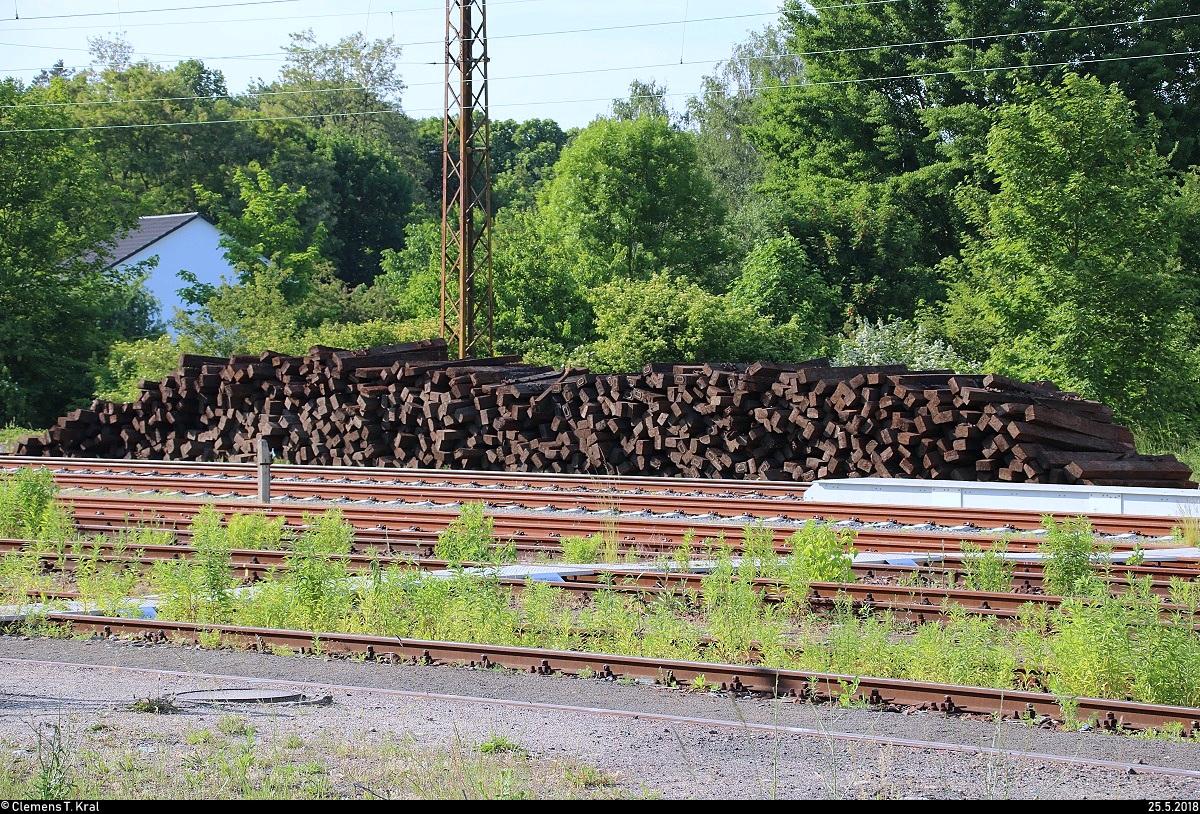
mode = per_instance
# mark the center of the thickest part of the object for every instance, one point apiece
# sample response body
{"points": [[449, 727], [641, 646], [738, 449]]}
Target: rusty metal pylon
{"points": [[467, 294]]}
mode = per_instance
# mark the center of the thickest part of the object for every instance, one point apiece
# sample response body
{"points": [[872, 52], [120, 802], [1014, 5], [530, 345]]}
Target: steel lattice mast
{"points": [[467, 296]]}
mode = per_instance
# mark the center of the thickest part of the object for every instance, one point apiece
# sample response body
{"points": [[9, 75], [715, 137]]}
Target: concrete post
{"points": [[264, 471]]}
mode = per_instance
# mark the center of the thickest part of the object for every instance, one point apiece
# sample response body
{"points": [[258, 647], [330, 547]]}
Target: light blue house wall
{"points": [[191, 244]]}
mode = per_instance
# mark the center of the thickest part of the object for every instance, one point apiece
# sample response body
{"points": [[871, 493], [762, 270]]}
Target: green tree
{"points": [[523, 155], [1075, 278], [727, 107], [896, 103], [412, 277], [542, 309], [284, 285], [352, 85], [160, 158], [778, 281], [671, 319], [61, 304], [645, 99], [632, 197], [371, 196], [358, 176]]}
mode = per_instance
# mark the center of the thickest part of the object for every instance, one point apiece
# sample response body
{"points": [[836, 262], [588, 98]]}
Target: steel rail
{"points": [[400, 476], [399, 525], [1109, 714], [747, 505], [915, 604], [1027, 579], [723, 723], [719, 506], [624, 500]]}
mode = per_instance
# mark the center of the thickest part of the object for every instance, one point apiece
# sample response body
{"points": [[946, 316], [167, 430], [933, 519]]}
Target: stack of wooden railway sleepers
{"points": [[410, 406]]}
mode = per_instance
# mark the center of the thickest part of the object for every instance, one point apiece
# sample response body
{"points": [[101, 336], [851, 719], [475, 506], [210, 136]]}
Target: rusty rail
{"points": [[894, 694]]}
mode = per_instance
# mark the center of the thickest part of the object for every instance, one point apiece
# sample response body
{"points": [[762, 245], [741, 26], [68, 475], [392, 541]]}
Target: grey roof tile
{"points": [[149, 230]]}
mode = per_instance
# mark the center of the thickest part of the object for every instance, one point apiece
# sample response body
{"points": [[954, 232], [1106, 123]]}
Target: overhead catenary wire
{"points": [[118, 13], [165, 10], [520, 35], [796, 55], [859, 80], [277, 57]]}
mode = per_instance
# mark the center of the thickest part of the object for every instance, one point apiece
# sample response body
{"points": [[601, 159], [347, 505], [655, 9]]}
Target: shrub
{"points": [[470, 537], [26, 502], [986, 570], [1068, 548], [822, 553]]}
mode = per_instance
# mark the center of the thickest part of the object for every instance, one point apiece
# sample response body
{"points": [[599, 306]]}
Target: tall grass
{"points": [[1094, 644], [1167, 439], [471, 537], [199, 588], [986, 570], [27, 502], [1069, 548]]}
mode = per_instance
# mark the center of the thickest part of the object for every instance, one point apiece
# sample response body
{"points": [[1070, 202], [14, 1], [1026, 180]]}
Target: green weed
{"points": [[758, 548], [986, 570], [1068, 548], [199, 588], [26, 501], [579, 549], [52, 780], [499, 743], [471, 537], [158, 705], [234, 726], [822, 553]]}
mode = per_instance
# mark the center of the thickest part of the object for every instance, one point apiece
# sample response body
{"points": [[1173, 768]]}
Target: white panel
{"points": [[1030, 497]]}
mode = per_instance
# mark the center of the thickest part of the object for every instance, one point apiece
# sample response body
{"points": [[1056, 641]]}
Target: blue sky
{"points": [[559, 59]]}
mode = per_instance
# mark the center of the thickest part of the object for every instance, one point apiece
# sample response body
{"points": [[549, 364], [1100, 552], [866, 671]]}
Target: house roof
{"points": [[148, 231]]}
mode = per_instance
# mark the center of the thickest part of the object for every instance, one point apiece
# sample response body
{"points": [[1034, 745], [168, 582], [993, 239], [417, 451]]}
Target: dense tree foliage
{"points": [[672, 319], [897, 102], [631, 196], [1076, 280], [988, 186], [61, 308]]}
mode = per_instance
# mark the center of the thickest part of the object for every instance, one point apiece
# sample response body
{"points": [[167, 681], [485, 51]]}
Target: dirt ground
{"points": [[420, 732]]}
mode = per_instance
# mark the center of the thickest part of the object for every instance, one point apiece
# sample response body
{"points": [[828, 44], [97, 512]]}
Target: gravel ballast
{"points": [[632, 737]]}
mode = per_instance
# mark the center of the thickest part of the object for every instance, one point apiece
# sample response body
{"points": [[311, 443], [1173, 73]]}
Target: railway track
{"points": [[382, 687], [400, 520], [720, 500], [887, 694], [907, 600], [1027, 575], [415, 529], [395, 476]]}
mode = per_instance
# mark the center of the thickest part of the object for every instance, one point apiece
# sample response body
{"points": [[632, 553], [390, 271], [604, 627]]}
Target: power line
{"points": [[801, 54], [213, 121], [980, 37], [594, 30], [274, 57], [224, 5], [211, 97], [626, 67], [927, 75], [119, 13]]}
